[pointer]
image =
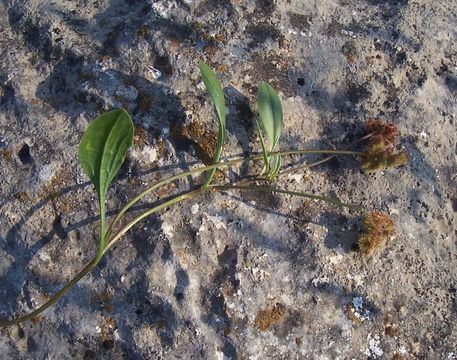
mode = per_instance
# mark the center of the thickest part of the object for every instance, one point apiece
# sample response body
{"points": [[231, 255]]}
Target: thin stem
{"points": [[102, 221], [151, 211], [217, 156], [93, 263], [288, 192], [306, 166], [88, 268], [164, 182], [317, 151], [102, 233], [214, 166], [109, 243]]}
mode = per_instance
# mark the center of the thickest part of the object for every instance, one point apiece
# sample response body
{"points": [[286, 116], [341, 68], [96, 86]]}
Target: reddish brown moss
{"points": [[166, 190], [398, 357], [141, 136], [352, 314], [107, 329], [7, 155], [381, 151], [210, 52], [222, 68], [145, 102], [23, 197], [378, 228], [391, 330], [203, 141], [37, 319], [267, 318], [143, 32], [53, 188]]}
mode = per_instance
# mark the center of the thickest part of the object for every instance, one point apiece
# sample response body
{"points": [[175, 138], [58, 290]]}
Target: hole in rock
{"points": [[24, 155]]}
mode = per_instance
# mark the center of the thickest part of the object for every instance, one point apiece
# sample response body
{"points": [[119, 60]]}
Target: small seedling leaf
{"points": [[270, 112], [103, 148], [214, 88]]}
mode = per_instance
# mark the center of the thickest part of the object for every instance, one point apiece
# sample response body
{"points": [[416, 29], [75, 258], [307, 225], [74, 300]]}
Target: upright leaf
{"points": [[102, 151], [214, 88], [270, 112], [271, 118]]}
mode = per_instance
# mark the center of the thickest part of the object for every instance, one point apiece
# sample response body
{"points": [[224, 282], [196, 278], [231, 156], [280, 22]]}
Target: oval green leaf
{"points": [[270, 112], [103, 148]]}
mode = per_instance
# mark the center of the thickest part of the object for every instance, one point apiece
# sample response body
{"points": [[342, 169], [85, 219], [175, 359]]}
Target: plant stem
{"points": [[107, 242], [214, 166], [129, 225], [88, 268], [318, 162], [93, 263], [288, 192], [266, 159], [102, 234]]}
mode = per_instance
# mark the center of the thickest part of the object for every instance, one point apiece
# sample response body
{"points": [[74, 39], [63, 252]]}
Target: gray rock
{"points": [[203, 281]]}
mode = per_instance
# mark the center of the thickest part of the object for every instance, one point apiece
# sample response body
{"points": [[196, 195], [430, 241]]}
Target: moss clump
{"points": [[267, 318], [141, 136], [378, 228], [203, 141], [211, 52], [352, 314], [23, 197], [391, 330], [107, 328], [145, 102], [381, 151], [166, 190], [143, 32], [7, 155], [222, 68], [398, 357]]}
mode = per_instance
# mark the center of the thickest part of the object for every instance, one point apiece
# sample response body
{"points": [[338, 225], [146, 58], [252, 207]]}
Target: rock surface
{"points": [[229, 275]]}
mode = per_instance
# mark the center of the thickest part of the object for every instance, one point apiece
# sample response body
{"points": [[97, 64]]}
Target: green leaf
{"points": [[270, 112], [266, 159], [102, 151], [103, 148], [214, 88], [271, 118]]}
